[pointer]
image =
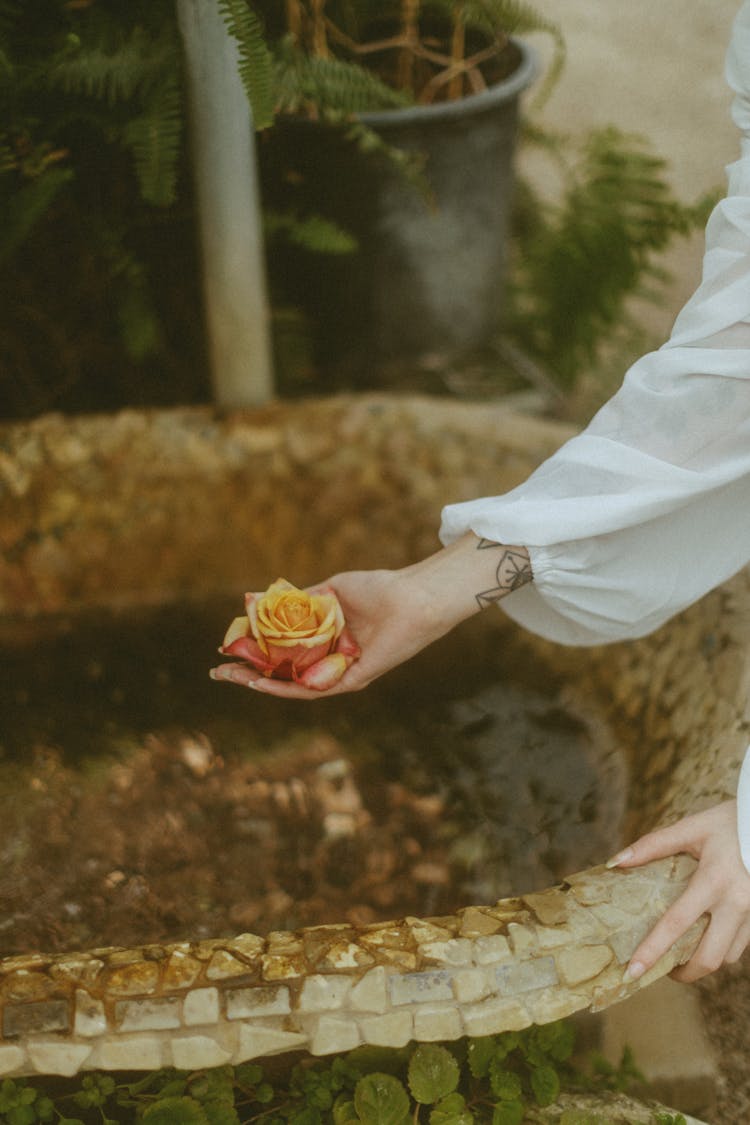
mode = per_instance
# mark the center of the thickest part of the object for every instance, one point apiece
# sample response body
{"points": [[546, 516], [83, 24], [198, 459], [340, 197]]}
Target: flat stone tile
{"points": [[201, 1006], [494, 1015], [393, 1029], [369, 994], [245, 1003], [416, 988], [41, 1015], [433, 1022], [58, 1058], [525, 976], [323, 993], [333, 1034], [134, 1052], [255, 1042], [11, 1059], [157, 1014], [90, 1018], [194, 1052]]}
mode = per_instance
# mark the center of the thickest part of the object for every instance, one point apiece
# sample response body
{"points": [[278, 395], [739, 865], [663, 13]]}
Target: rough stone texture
{"points": [[149, 506], [165, 504]]}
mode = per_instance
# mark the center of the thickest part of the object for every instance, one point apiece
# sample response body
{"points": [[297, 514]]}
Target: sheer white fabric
{"points": [[648, 508]]}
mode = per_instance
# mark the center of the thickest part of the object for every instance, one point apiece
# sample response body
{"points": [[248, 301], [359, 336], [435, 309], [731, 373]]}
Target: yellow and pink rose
{"points": [[293, 635]]}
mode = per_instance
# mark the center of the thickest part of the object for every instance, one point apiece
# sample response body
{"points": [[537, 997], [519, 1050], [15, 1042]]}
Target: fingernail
{"points": [[621, 857], [219, 674], [634, 971]]}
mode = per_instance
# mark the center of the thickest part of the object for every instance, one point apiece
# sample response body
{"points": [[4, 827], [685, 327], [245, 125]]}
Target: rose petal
{"points": [[301, 656], [245, 648], [251, 604], [282, 671], [239, 627], [273, 640], [325, 673], [347, 645]]}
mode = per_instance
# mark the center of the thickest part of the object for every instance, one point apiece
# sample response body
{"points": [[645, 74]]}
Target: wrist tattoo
{"points": [[513, 571]]}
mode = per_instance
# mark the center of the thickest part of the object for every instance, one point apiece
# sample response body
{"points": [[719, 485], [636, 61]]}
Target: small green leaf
{"points": [[480, 1053], [21, 1115], [307, 1115], [45, 1109], [504, 1083], [248, 1074], [507, 1042], [545, 1085], [555, 1039], [433, 1073], [380, 1099], [508, 1113], [221, 1112], [451, 1110], [173, 1089], [176, 1111], [344, 1111], [264, 1093]]}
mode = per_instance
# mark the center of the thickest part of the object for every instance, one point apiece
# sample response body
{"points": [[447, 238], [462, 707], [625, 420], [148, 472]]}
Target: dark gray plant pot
{"points": [[427, 278]]}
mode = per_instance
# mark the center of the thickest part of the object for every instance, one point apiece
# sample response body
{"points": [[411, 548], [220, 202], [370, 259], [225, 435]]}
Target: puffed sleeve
{"points": [[649, 507]]}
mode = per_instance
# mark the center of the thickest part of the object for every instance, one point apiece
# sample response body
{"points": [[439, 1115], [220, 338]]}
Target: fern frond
{"points": [[255, 62], [154, 138], [10, 12], [581, 259], [8, 159], [24, 209], [112, 76], [331, 85], [314, 232]]}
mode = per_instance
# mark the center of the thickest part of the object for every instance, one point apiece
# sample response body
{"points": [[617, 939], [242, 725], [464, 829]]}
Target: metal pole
{"points": [[236, 301]]}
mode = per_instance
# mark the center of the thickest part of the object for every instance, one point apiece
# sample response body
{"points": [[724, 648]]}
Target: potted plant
{"points": [[396, 121]]}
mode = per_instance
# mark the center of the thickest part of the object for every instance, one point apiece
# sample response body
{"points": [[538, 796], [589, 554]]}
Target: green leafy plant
{"points": [[502, 1079], [578, 260], [91, 152]]}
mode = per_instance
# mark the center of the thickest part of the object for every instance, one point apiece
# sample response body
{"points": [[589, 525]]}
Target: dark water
{"points": [[532, 784]]}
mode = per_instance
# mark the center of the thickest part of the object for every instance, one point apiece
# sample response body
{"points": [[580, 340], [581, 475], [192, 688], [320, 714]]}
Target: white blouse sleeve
{"points": [[649, 507]]}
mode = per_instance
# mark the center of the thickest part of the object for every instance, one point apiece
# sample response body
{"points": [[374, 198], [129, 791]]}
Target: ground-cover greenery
{"points": [[506, 1079]]}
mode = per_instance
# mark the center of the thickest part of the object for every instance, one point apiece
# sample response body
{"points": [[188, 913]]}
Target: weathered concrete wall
{"points": [[181, 504]]}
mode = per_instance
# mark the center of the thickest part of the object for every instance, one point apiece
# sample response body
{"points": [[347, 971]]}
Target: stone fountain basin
{"points": [[152, 507]]}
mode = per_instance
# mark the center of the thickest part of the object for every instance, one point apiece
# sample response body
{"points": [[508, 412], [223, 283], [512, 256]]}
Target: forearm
{"points": [[465, 577]]}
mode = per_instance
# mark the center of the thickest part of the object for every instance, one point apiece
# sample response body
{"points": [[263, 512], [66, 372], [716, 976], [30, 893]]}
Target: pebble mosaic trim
{"points": [[678, 701], [330, 988]]}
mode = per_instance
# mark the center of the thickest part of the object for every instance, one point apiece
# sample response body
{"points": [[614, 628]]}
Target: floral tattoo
{"points": [[513, 571]]}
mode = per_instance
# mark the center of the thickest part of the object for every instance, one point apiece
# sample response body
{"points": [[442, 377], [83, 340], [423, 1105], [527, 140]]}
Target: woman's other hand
{"points": [[719, 887]]}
